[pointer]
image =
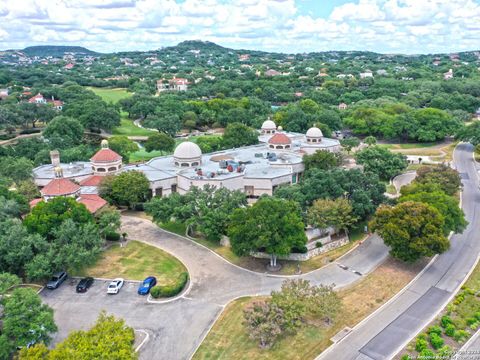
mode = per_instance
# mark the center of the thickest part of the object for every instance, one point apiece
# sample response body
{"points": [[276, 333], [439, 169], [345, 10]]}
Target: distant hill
{"points": [[204, 46], [56, 50]]}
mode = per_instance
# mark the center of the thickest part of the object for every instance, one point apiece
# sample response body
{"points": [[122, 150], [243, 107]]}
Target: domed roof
{"points": [[187, 150], [269, 125], [279, 139], [105, 155], [314, 132]]}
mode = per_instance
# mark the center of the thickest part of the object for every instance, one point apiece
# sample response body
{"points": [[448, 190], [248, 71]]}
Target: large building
{"points": [[255, 170]]}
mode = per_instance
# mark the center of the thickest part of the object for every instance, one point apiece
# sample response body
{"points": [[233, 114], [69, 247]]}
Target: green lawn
{"points": [[143, 155], [136, 261], [128, 128], [407, 146], [111, 95]]}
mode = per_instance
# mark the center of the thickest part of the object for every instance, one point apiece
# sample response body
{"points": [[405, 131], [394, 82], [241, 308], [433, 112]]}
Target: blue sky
{"points": [[387, 26]]}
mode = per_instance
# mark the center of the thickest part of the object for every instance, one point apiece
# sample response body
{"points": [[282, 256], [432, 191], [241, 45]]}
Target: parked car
{"points": [[56, 280], [115, 286], [84, 284], [147, 284]]}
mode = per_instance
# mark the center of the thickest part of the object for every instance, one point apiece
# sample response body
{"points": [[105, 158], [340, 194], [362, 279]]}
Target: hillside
{"points": [[56, 50]]}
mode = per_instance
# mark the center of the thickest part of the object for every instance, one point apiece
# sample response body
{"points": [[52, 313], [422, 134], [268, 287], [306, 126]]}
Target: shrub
{"points": [[471, 321], [318, 244], [170, 290], [426, 354], [112, 236], [436, 341], [7, 136], [434, 330], [445, 321], [450, 330], [460, 335], [421, 344], [477, 315], [95, 130], [406, 357], [445, 352], [139, 207]]}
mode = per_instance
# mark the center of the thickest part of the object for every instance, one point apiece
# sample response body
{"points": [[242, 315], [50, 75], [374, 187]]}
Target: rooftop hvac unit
{"points": [[223, 164], [258, 155]]}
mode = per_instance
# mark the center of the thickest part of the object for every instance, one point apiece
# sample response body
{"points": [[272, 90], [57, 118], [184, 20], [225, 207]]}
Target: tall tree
{"points": [[381, 161], [411, 230], [63, 132], [271, 225], [160, 141], [237, 135], [324, 160], [126, 189], [122, 145], [336, 213], [443, 175]]}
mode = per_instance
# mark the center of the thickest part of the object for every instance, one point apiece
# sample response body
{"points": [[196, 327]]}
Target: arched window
{"points": [[309, 140], [195, 163], [279, 147], [176, 163], [272, 147], [185, 165], [112, 169], [101, 169], [287, 146]]}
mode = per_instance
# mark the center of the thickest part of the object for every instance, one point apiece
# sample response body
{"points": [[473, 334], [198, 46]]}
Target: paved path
{"points": [[388, 330], [215, 282], [403, 179]]}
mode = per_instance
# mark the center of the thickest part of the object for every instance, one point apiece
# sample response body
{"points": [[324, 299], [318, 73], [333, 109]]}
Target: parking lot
{"points": [[166, 324]]}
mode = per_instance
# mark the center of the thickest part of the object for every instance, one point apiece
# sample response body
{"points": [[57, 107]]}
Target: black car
{"points": [[84, 284], [56, 280]]}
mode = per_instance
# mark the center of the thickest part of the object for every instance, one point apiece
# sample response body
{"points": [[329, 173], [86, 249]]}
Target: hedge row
{"points": [[170, 290]]}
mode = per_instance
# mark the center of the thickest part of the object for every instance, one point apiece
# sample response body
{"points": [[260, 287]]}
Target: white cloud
{"points": [[118, 25]]}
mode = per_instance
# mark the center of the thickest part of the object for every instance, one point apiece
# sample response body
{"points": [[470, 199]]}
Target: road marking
{"points": [[144, 340]]}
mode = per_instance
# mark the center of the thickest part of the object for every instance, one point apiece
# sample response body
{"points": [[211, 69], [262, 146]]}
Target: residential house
{"points": [[175, 84], [448, 75], [3, 94], [366, 74], [37, 99], [342, 106], [272, 72]]}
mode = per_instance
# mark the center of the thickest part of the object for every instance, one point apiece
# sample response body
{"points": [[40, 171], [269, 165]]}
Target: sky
{"points": [[290, 26]]}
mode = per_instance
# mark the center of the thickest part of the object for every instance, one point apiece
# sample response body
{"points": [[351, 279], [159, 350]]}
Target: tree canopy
{"points": [[271, 225], [411, 230], [381, 162], [126, 189]]}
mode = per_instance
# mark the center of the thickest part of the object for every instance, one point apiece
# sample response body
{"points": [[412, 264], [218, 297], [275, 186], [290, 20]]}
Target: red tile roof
{"points": [[60, 186], [34, 98], [93, 180], [105, 155], [279, 138], [35, 202], [93, 202]]}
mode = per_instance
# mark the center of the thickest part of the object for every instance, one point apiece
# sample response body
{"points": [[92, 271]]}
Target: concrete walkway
{"points": [[215, 282]]}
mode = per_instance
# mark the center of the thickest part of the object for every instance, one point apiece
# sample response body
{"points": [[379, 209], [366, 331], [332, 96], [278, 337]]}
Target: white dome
{"points": [[314, 132], [187, 150], [268, 125]]}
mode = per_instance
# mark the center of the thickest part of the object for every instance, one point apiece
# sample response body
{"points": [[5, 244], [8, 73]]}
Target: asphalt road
{"points": [[386, 332], [177, 328]]}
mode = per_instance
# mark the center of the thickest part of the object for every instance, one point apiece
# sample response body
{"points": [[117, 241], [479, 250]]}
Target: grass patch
{"points": [[175, 227], [229, 339], [357, 232], [144, 155], [110, 95], [391, 189], [128, 128], [136, 261]]}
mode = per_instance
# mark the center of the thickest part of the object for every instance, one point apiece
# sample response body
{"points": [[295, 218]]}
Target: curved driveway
{"points": [[183, 323], [386, 332]]}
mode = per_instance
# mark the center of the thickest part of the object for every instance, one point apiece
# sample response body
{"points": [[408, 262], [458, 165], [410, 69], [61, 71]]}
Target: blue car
{"points": [[147, 285]]}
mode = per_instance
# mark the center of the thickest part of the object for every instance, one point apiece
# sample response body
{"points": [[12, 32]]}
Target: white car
{"points": [[115, 286]]}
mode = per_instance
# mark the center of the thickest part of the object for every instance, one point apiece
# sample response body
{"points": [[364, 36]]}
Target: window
{"points": [[279, 147], [158, 192], [176, 163], [185, 165], [174, 188], [309, 140], [112, 169], [195, 163], [287, 146], [294, 178], [272, 147], [101, 169]]}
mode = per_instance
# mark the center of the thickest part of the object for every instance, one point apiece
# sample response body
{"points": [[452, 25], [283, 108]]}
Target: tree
{"points": [[16, 169], [470, 133], [434, 124], [370, 140], [324, 160], [108, 219], [325, 213], [411, 230], [126, 189], [46, 217], [443, 175], [364, 190], [205, 210], [349, 143], [272, 225], [431, 194], [381, 161], [264, 322], [8, 280], [237, 135], [109, 338], [160, 141], [63, 132], [122, 145], [94, 113], [28, 189], [26, 320], [169, 124]]}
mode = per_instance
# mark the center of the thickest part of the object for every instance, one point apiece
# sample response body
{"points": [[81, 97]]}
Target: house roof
{"points": [[105, 155], [34, 98], [93, 180], [279, 138], [93, 202], [35, 202], [60, 186]]}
